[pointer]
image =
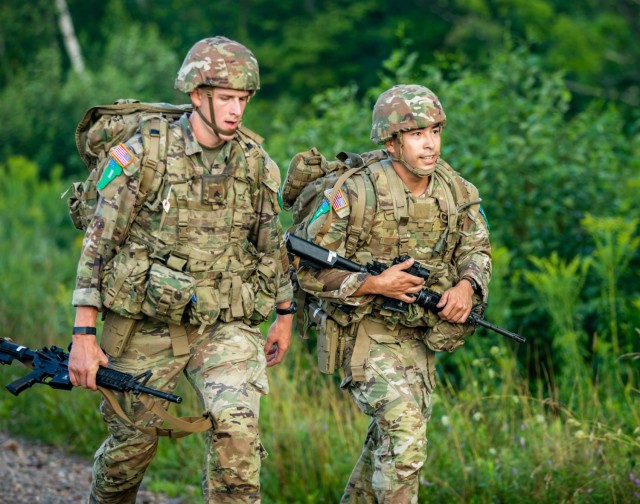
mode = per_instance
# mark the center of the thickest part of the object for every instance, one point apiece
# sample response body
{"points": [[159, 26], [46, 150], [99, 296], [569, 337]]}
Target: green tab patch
{"points": [[112, 170], [280, 202], [485, 217], [322, 209]]}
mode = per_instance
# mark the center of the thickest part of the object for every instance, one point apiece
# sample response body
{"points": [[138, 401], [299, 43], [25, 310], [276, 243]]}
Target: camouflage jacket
{"points": [[466, 250], [158, 223]]}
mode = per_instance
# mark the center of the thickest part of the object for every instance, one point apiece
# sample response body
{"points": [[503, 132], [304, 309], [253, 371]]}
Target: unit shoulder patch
{"points": [[111, 171], [322, 209], [484, 215]]}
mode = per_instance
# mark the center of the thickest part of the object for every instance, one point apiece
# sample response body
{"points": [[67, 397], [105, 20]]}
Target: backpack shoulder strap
{"points": [[332, 196], [459, 195], [154, 131], [251, 144], [392, 199], [357, 231]]}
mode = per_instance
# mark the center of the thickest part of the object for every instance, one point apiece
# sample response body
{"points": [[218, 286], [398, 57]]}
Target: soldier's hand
{"points": [[394, 282], [278, 339], [456, 303], [84, 359]]}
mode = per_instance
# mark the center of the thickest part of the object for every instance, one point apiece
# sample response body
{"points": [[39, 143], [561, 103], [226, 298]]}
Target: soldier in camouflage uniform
{"points": [[424, 209], [184, 283]]}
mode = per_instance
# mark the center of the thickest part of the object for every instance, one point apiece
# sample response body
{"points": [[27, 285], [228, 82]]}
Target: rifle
{"points": [[320, 257], [51, 367]]}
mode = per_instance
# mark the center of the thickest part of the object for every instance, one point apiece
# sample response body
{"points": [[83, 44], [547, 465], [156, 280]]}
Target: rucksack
{"points": [[106, 126], [312, 181], [310, 184]]}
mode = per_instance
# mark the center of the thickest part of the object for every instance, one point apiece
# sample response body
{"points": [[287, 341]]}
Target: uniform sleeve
{"points": [[333, 284], [473, 252], [268, 235], [117, 187]]}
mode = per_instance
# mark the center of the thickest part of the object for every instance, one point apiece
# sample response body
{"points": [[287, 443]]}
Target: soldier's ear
{"points": [[391, 144], [196, 98]]}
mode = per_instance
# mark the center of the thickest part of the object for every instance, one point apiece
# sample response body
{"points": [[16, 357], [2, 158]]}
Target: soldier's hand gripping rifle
{"points": [[320, 257], [51, 367]]}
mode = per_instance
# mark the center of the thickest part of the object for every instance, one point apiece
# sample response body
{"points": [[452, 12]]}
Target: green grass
{"points": [[558, 421], [489, 440]]}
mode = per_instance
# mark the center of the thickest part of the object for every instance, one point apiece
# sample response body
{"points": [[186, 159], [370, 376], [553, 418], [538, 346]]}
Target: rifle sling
{"points": [[180, 426]]}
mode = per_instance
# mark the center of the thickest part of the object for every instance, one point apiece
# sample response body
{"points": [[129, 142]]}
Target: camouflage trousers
{"points": [[399, 377], [227, 367]]}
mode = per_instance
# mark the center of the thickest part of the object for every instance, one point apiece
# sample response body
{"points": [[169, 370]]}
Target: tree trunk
{"points": [[69, 36]]}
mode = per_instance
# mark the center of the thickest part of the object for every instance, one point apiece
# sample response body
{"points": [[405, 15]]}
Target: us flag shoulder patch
{"points": [[339, 202], [121, 155]]}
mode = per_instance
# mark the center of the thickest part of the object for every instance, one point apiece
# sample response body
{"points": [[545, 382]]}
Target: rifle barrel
{"points": [[159, 393], [475, 319]]}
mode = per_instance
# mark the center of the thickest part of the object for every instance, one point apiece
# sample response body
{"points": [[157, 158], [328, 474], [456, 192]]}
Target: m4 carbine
{"points": [[51, 367], [320, 257]]}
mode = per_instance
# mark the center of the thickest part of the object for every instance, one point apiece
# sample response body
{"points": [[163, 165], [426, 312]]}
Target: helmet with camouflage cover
{"points": [[404, 108], [219, 62]]}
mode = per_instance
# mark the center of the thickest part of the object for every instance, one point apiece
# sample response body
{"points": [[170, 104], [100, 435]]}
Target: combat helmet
{"points": [[404, 108], [219, 62]]}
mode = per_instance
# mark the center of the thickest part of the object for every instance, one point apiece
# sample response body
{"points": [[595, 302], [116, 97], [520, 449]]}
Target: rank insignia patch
{"points": [[121, 155], [339, 202]]}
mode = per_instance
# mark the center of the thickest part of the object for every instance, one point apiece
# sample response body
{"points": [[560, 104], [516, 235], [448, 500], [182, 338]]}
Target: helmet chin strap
{"points": [[212, 123], [425, 172]]}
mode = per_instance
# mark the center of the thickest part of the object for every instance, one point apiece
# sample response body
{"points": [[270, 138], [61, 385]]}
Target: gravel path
{"points": [[34, 473]]}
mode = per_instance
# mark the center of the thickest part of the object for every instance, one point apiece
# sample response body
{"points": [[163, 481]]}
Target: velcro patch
{"points": [[485, 217], [112, 170], [121, 155], [322, 209], [339, 202]]}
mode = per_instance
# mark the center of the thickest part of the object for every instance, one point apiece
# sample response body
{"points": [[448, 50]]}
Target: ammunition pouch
{"points": [[168, 293], [228, 296], [124, 281], [443, 336], [331, 339], [116, 333], [265, 287]]}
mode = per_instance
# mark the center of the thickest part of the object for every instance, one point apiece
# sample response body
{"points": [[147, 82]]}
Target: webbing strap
{"points": [[452, 211], [357, 218], [183, 214], [157, 131], [332, 196], [360, 352], [236, 297], [179, 340], [180, 426], [400, 209]]}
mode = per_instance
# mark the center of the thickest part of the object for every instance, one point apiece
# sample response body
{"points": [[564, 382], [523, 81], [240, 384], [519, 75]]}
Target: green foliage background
{"points": [[542, 116]]}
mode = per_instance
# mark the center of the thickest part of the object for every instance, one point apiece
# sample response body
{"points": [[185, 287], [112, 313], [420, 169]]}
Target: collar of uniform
{"points": [[191, 145]]}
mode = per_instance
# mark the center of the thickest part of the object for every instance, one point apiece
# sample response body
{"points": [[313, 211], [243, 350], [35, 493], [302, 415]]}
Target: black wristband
{"points": [[293, 307], [84, 330], [474, 284]]}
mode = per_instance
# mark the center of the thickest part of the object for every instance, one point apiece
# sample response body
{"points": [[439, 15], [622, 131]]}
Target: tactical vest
{"points": [[187, 256], [426, 228]]}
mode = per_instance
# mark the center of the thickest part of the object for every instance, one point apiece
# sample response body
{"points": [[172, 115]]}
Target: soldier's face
{"points": [[420, 147], [228, 107]]}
